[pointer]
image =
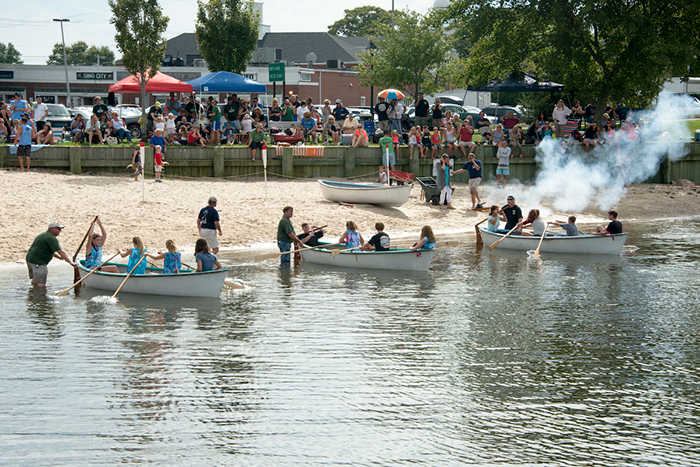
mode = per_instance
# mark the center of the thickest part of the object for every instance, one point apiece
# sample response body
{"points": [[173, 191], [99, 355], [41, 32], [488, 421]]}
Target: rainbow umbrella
{"points": [[391, 94]]}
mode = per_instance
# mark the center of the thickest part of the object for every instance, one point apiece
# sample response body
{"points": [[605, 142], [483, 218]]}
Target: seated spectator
{"points": [[360, 138], [228, 135], [93, 130], [118, 126], [591, 137], [516, 139], [104, 125], [510, 121], [498, 134], [182, 139], [577, 111], [308, 125], [436, 142], [77, 128], [426, 141], [258, 117], [588, 113], [45, 135], [257, 139], [4, 134], [194, 138], [545, 132], [350, 125], [446, 118], [331, 130], [608, 127], [483, 126], [466, 134]]}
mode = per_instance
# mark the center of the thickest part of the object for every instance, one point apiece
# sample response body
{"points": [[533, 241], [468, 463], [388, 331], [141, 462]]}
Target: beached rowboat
{"points": [[398, 259], [581, 244], [154, 282], [358, 193]]}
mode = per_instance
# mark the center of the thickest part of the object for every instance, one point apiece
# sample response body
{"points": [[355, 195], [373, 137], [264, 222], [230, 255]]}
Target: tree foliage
{"points": [[599, 49], [8, 53], [140, 26], [412, 56], [227, 33], [363, 21], [79, 53]]}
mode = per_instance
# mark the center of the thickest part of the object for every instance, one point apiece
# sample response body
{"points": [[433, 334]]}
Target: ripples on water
{"points": [[485, 360]]}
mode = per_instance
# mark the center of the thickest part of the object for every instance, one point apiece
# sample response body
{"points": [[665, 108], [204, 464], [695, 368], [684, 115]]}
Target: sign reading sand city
{"points": [[95, 76], [276, 71]]}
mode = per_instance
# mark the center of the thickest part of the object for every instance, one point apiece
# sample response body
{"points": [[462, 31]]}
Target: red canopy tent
{"points": [[159, 83]]}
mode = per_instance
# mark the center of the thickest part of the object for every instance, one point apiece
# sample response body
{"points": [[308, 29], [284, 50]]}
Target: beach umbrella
{"points": [[391, 94]]}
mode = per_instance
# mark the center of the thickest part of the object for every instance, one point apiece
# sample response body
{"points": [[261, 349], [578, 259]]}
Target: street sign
{"points": [[276, 71]]}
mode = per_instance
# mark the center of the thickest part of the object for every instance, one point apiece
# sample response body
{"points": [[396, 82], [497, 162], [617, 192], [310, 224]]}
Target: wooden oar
{"points": [[233, 285], [65, 292], [275, 255], [337, 252], [544, 234], [129, 275], [479, 240], [76, 272], [495, 244]]}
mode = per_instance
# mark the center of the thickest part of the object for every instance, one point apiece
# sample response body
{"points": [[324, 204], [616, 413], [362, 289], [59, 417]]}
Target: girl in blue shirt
{"points": [[171, 259], [427, 241], [351, 237], [93, 249], [135, 254], [205, 260]]}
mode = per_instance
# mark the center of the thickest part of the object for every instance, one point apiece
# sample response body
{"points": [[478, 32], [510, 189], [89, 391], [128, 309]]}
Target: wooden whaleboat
{"points": [[580, 244], [185, 284], [394, 259], [359, 193]]}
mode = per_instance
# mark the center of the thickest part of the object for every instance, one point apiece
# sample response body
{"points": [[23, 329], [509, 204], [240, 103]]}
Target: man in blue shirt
{"points": [[340, 113], [24, 133], [158, 140], [473, 166], [208, 225]]}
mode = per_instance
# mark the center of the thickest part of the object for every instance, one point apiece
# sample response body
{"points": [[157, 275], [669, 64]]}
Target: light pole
{"points": [[65, 61]]}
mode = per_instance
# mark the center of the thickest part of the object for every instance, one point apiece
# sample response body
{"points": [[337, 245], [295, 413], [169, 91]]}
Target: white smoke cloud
{"points": [[570, 181]]}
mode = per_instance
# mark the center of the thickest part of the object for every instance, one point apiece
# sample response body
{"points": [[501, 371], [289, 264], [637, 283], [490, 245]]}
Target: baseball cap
{"points": [[17, 93], [157, 103], [379, 133], [338, 101], [56, 225]]}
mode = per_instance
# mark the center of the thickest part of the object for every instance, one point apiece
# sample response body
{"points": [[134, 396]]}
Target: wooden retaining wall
{"points": [[337, 162]]}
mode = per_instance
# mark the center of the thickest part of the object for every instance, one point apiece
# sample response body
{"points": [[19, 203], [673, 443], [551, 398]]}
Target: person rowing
{"points": [[93, 248], [427, 241], [311, 234]]}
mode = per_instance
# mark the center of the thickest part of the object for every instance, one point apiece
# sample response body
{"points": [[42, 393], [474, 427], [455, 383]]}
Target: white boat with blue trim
{"points": [[394, 259], [580, 244], [359, 193], [187, 283]]}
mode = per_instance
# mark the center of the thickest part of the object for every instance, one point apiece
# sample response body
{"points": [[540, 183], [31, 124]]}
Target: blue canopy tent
{"points": [[225, 81]]}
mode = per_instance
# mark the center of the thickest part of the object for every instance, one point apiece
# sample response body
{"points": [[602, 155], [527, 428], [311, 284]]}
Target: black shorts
{"points": [[24, 150], [256, 145]]}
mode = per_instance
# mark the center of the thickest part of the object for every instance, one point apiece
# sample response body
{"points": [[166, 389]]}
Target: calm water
{"points": [[484, 360]]}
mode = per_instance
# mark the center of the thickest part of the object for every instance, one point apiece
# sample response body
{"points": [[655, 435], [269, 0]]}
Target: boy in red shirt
{"points": [[158, 162]]}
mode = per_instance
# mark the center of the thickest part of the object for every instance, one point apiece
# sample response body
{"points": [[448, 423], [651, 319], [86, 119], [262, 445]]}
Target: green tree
{"points": [[412, 56], [227, 33], [79, 53], [363, 21], [140, 26], [601, 50], [8, 53]]}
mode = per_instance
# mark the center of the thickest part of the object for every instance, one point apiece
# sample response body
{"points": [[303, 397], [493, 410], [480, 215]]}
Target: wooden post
{"points": [[287, 162], [219, 162], [75, 160], [350, 161]]}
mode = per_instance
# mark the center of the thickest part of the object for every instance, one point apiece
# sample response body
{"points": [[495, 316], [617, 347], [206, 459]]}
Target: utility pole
{"points": [[65, 60]]}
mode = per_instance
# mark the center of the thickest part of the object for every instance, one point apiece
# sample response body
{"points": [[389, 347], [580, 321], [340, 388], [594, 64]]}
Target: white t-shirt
{"points": [[40, 112], [301, 111], [247, 125], [399, 110], [160, 126]]}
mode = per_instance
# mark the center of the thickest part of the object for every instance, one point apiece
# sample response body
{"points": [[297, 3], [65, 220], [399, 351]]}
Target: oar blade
{"points": [[266, 256], [63, 293], [233, 285]]}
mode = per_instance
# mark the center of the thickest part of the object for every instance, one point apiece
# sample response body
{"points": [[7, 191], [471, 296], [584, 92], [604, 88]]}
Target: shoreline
{"points": [[33, 199]]}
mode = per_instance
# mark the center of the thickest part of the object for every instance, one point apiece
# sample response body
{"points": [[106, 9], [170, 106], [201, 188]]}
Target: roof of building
{"points": [[295, 46]]}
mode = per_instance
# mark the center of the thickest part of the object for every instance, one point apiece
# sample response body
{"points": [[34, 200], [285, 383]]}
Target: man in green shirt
{"points": [[42, 251], [99, 108], [286, 235], [386, 143]]}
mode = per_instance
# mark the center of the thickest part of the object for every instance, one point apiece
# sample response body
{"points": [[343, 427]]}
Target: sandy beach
{"points": [[32, 200]]}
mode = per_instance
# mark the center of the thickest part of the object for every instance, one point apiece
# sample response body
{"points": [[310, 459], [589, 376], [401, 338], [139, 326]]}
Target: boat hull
{"points": [[399, 260], [358, 193], [582, 244], [185, 284]]}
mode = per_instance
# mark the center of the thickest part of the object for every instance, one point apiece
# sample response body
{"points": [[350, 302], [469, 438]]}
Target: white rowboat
{"points": [[154, 282], [581, 244], [399, 259], [358, 193]]}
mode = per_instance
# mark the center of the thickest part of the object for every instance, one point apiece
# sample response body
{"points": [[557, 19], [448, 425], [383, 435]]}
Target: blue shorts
{"points": [[392, 159], [502, 171], [216, 125]]}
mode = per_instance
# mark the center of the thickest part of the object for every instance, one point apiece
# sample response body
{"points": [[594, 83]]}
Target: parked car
{"points": [[498, 111], [360, 113], [58, 116], [131, 116], [462, 111]]}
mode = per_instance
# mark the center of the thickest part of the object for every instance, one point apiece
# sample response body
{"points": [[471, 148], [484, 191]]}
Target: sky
{"points": [[31, 29]]}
